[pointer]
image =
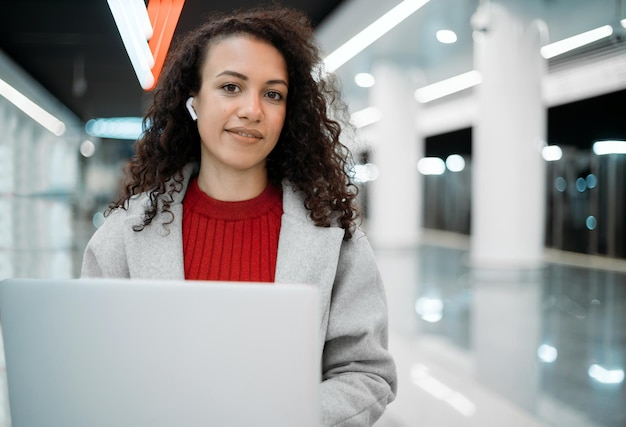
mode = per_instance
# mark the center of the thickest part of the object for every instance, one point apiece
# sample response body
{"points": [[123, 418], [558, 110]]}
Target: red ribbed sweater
{"points": [[232, 241]]}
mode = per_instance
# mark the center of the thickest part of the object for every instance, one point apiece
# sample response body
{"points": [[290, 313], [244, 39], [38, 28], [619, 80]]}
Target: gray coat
{"points": [[358, 373]]}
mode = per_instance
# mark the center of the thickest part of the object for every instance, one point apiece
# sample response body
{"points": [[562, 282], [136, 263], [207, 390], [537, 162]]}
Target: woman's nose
{"points": [[251, 108]]}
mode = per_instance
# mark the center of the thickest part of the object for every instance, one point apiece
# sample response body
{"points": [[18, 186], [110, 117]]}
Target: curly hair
{"points": [[309, 153]]}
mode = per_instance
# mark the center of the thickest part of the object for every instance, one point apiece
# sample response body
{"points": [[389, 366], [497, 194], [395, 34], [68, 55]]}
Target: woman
{"points": [[240, 175]]}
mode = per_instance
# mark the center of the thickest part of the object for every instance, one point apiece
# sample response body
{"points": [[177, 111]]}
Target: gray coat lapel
{"points": [[307, 253], [157, 251]]}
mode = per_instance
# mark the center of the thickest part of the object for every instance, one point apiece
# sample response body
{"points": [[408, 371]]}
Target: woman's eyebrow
{"points": [[233, 73], [277, 81], [244, 77]]}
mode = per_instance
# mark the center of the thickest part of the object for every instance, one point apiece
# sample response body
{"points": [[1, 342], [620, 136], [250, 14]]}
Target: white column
{"points": [[508, 182], [395, 213], [508, 198]]}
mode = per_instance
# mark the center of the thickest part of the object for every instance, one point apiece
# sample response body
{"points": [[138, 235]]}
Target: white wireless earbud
{"points": [[192, 112]]}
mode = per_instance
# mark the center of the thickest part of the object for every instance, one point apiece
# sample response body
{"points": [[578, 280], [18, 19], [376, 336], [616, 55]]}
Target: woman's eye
{"points": [[273, 95], [230, 88]]}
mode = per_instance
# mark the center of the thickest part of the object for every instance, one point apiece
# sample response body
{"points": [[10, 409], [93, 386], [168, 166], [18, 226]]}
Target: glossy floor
{"points": [[505, 348], [499, 348]]}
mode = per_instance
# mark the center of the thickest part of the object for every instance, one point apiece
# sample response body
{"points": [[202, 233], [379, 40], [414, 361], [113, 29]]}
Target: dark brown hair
{"points": [[308, 153]]}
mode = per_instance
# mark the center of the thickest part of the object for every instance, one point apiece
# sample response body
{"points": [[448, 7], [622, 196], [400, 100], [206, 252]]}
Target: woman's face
{"points": [[241, 104]]}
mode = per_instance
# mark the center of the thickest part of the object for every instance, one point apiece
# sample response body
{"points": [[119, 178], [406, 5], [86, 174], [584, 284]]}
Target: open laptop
{"points": [[101, 352]]}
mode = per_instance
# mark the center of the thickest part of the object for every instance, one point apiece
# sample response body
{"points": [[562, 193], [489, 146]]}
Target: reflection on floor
{"points": [[495, 348], [499, 348]]}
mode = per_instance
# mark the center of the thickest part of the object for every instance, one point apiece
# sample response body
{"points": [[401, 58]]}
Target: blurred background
{"points": [[491, 158]]}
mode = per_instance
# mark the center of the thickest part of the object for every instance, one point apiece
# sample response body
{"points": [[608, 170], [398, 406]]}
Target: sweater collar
{"points": [[293, 199]]}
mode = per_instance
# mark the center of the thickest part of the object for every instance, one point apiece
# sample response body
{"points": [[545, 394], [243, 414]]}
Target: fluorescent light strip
{"points": [[140, 17], [472, 78], [33, 110], [365, 117], [601, 148], [371, 33], [138, 49], [562, 46], [448, 86], [129, 128], [606, 376]]}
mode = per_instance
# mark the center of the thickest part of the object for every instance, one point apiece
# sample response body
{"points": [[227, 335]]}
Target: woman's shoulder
{"points": [[135, 205], [294, 205], [132, 209]]}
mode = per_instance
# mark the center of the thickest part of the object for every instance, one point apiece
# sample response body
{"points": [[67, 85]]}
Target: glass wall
{"points": [[585, 208], [39, 185]]}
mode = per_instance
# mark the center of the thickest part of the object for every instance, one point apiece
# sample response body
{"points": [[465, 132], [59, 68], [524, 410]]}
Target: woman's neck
{"points": [[233, 186]]}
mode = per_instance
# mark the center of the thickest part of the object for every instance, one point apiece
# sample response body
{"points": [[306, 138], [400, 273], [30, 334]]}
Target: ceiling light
{"points": [[146, 33], [371, 33], [562, 46], [128, 19], [446, 36], [431, 166], [164, 17], [87, 148], [33, 110], [551, 153], [115, 128], [448, 86], [606, 376], [366, 116], [455, 163], [623, 22], [547, 353], [140, 18], [609, 147], [364, 80]]}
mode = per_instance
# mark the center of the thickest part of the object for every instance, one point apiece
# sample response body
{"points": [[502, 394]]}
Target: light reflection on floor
{"points": [[515, 348]]}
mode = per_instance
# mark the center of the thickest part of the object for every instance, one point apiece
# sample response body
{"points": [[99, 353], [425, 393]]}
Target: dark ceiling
{"points": [[73, 48]]}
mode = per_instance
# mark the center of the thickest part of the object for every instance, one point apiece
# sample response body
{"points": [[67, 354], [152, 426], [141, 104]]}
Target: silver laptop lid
{"points": [[119, 353]]}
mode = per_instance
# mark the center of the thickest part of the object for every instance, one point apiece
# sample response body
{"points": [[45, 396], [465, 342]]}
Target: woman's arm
{"points": [[359, 374]]}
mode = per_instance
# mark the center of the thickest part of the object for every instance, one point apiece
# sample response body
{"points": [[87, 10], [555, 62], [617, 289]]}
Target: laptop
{"points": [[102, 352]]}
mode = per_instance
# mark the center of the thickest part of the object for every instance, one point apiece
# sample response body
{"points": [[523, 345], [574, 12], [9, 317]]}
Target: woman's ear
{"points": [[192, 112]]}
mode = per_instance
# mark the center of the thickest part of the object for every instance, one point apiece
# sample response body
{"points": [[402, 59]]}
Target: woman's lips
{"points": [[246, 133]]}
